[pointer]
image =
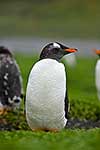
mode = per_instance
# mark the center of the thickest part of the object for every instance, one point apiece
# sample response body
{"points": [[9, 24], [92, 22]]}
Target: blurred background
{"points": [[26, 25]]}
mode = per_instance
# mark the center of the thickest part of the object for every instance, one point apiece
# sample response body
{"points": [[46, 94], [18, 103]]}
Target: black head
{"points": [[4, 50], [55, 51]]}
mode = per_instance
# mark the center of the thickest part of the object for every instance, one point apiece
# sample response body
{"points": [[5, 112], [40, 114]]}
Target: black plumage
{"points": [[10, 81]]}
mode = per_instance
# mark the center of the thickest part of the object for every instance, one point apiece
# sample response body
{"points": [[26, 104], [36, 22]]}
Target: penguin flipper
{"points": [[66, 106]]}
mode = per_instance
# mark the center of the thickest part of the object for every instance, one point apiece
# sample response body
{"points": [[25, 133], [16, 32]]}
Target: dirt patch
{"points": [[83, 124]]}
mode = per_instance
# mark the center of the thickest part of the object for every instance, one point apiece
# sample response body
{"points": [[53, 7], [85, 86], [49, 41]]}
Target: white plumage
{"points": [[45, 95], [97, 78]]}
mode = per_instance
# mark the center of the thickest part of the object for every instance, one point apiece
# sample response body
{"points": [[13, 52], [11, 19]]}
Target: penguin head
{"points": [[97, 52], [5, 51], [55, 51]]}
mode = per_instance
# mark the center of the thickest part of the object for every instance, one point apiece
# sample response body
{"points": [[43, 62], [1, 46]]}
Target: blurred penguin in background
{"points": [[97, 74], [11, 90], [70, 60]]}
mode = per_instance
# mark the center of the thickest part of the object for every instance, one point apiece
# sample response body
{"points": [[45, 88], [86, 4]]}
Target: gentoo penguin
{"points": [[97, 74], [10, 82], [46, 93]]}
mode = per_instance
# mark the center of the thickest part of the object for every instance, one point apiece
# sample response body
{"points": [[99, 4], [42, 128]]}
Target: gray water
{"points": [[34, 45]]}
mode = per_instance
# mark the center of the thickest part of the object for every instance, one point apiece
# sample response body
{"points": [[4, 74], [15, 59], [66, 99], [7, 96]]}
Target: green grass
{"points": [[84, 105], [67, 139], [82, 90]]}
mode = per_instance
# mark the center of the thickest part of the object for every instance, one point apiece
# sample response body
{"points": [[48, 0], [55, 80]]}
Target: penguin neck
{"points": [[57, 59]]}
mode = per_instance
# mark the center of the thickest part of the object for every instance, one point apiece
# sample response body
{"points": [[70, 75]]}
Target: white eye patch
{"points": [[56, 45]]}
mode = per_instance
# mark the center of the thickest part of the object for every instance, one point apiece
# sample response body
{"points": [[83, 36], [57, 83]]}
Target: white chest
{"points": [[45, 95], [97, 77]]}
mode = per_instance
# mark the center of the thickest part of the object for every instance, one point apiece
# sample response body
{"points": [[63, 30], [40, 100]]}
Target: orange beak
{"points": [[97, 51], [71, 50]]}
